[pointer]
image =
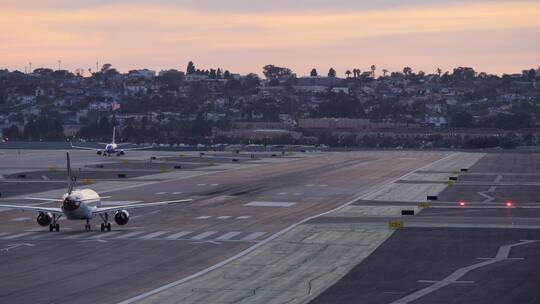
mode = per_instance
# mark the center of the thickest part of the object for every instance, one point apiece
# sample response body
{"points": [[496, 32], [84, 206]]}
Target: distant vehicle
{"points": [[75, 206], [111, 148]]}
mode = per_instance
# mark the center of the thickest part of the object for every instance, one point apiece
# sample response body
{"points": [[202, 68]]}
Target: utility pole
{"points": [[59, 64]]}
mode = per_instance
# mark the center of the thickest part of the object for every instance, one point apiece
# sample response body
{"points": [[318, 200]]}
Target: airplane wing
{"points": [[85, 148], [43, 199], [33, 208], [138, 148], [136, 206]]}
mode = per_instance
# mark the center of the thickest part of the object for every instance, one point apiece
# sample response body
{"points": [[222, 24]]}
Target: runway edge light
{"points": [[461, 203]]}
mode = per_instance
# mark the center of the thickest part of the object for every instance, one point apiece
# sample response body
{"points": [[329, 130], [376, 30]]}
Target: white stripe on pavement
{"points": [[128, 235], [203, 235], [103, 234], [153, 235], [18, 235], [228, 235], [253, 236], [178, 235]]}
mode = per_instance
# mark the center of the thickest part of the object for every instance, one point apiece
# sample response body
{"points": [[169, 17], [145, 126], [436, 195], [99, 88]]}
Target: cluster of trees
{"points": [[43, 128], [212, 73]]}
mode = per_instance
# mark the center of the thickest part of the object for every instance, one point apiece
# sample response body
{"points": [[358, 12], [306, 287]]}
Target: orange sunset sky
{"points": [[242, 36]]}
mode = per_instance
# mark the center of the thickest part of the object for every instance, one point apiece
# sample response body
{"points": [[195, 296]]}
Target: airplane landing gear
{"points": [[55, 226], [87, 226], [105, 226]]}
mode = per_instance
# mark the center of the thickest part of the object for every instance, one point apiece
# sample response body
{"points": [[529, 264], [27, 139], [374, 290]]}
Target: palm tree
{"points": [[439, 72], [384, 71], [407, 70], [348, 73], [373, 70]]}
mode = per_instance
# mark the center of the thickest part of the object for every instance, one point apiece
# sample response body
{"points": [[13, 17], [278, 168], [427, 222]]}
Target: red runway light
{"points": [[509, 204], [462, 204]]}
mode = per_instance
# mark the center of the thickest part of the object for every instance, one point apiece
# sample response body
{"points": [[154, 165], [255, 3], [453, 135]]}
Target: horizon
{"points": [[495, 37]]}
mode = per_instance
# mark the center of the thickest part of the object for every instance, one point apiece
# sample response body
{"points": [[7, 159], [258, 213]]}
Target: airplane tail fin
{"points": [[113, 135], [70, 178]]}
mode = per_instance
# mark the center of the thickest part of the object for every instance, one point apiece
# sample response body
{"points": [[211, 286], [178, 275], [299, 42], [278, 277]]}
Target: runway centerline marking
{"points": [[203, 217], [252, 236], [224, 217], [243, 217], [18, 235], [203, 235], [228, 235], [154, 234], [128, 235], [178, 235]]}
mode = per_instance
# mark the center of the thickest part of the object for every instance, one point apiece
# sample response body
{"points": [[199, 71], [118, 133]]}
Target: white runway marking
{"points": [[269, 204], [21, 219], [103, 235], [203, 235], [203, 217], [201, 185], [18, 235], [214, 185], [243, 217], [502, 254], [298, 193], [283, 193], [4, 233], [228, 235], [253, 236], [128, 235], [161, 193], [178, 235], [323, 185], [153, 235], [223, 217], [177, 192], [77, 236], [310, 185]]}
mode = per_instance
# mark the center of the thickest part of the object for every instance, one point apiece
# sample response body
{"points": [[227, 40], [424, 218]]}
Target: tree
{"points": [[348, 73], [227, 74], [313, 73], [273, 72], [106, 67], [373, 68], [190, 68], [331, 72], [384, 72], [407, 71], [439, 71]]}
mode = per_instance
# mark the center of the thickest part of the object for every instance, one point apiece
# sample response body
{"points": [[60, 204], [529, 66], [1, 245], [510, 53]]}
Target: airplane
{"points": [[111, 148], [76, 206]]}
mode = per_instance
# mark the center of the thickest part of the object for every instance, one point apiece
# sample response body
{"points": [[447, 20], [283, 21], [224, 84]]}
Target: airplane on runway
{"points": [[75, 206], [111, 148]]}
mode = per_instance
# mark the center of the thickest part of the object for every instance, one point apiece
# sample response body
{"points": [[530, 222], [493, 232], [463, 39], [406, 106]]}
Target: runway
{"points": [[237, 204], [484, 251]]}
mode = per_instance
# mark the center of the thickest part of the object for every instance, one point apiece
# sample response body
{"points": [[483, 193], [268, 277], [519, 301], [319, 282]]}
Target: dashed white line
{"points": [[161, 193], [18, 235], [223, 217], [214, 185], [283, 193], [243, 217], [203, 217], [21, 219], [201, 185], [177, 192], [102, 235]]}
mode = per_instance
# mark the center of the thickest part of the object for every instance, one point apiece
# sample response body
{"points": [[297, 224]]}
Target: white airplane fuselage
{"points": [[75, 205], [111, 148]]}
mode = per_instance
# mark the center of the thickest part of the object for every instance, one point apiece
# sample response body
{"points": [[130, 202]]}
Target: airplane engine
{"points": [[121, 217], [44, 219], [98, 152]]}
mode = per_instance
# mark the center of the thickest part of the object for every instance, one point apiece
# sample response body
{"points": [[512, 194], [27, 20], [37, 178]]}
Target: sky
{"points": [[497, 36]]}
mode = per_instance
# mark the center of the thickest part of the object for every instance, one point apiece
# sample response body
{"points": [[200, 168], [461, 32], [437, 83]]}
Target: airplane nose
{"points": [[70, 204]]}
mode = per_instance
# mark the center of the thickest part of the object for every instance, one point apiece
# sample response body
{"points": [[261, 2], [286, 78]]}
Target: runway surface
{"points": [[239, 200], [485, 250]]}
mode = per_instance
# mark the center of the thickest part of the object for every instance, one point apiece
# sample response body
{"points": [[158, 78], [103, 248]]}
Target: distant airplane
{"points": [[75, 207], [111, 148]]}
